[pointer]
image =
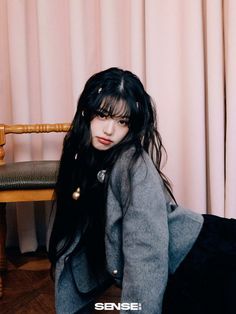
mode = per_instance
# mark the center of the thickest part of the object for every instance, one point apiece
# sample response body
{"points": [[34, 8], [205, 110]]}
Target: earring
{"points": [[76, 194], [99, 90], [82, 113]]}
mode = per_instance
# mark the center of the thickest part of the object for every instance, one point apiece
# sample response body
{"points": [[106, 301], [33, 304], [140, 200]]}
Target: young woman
{"points": [[116, 220]]}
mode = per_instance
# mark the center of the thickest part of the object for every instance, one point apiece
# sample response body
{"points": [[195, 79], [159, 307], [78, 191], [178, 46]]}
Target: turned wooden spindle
{"points": [[36, 128], [2, 155], [2, 143]]}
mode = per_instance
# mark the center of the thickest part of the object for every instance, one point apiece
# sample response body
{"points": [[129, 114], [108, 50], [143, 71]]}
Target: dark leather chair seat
{"points": [[29, 175]]}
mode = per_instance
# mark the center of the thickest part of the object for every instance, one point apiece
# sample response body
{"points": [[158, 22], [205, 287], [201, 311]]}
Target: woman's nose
{"points": [[109, 126]]}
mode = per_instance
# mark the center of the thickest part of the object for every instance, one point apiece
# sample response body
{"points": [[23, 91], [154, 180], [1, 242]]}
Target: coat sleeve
{"points": [[145, 239]]}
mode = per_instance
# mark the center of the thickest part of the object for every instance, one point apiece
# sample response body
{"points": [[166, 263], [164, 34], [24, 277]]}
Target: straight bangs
{"points": [[119, 107], [115, 107]]}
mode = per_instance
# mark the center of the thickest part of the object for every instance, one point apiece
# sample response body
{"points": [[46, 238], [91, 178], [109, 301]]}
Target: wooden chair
{"points": [[24, 181]]}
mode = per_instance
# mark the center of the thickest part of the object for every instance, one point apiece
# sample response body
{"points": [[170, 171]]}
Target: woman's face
{"points": [[106, 130]]}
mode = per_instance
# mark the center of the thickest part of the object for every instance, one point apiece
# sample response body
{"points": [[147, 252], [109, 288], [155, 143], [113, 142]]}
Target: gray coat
{"points": [[144, 243]]}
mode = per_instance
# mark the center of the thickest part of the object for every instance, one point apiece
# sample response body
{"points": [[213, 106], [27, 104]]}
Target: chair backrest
{"points": [[27, 128]]}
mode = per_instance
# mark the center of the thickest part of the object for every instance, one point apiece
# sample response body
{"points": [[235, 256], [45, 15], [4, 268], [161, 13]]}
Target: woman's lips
{"points": [[104, 141]]}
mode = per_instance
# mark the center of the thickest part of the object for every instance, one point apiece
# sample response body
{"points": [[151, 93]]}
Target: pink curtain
{"points": [[184, 52]]}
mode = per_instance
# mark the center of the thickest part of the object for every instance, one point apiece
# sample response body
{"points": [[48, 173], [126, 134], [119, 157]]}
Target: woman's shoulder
{"points": [[136, 157], [132, 163], [130, 174], [130, 158]]}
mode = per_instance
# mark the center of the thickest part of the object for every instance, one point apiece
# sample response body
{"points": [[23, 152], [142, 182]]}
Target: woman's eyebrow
{"points": [[103, 110], [125, 117], [117, 114]]}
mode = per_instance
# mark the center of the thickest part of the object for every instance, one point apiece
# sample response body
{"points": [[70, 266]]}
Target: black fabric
{"points": [[205, 282], [88, 309], [28, 175]]}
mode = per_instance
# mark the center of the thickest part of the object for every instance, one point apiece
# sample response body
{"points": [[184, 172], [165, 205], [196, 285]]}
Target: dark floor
{"points": [[29, 288]]}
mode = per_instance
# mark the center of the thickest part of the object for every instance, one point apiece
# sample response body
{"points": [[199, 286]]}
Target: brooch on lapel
{"points": [[101, 175]]}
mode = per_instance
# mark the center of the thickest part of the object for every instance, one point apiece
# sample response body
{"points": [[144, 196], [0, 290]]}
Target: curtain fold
{"points": [[213, 27], [183, 51]]}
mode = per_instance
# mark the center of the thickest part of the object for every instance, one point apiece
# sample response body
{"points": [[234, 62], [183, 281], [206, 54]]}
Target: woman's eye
{"points": [[101, 115], [123, 122]]}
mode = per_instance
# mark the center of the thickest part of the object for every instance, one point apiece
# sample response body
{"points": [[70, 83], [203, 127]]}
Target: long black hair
{"points": [[80, 162]]}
